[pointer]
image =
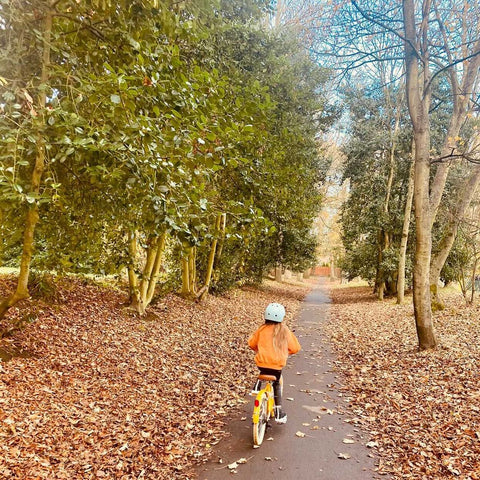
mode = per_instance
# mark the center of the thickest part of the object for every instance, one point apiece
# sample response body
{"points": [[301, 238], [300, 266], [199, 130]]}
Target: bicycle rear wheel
{"points": [[260, 426]]}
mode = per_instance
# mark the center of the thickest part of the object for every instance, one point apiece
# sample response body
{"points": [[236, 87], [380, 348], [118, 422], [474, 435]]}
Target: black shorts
{"points": [[270, 371]]}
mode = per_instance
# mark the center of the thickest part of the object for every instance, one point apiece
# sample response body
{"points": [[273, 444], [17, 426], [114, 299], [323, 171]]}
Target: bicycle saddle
{"points": [[269, 378]]}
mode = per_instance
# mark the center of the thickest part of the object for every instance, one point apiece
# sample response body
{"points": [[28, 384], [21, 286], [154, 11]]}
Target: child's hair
{"points": [[280, 337]]}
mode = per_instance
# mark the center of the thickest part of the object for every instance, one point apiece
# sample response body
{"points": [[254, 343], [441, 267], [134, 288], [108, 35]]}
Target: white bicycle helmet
{"points": [[275, 312]]}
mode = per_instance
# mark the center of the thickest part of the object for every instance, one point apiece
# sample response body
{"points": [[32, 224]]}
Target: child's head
{"points": [[275, 312]]}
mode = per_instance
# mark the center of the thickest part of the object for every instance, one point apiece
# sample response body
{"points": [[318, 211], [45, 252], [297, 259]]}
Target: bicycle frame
{"points": [[264, 408], [268, 390]]}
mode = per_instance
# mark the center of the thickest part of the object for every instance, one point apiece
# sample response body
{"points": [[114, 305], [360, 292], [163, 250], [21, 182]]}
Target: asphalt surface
{"points": [[316, 407]]}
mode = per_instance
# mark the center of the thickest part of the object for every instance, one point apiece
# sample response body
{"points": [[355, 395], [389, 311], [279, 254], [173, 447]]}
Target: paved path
{"points": [[315, 406]]}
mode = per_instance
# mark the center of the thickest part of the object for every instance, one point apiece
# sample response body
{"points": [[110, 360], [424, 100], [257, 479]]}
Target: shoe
{"points": [[280, 416]]}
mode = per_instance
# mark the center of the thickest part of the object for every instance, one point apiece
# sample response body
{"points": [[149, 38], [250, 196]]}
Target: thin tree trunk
{"points": [[474, 274], [135, 300], [406, 227], [192, 266], [278, 274], [148, 267], [332, 267], [185, 277], [221, 241], [32, 217], [386, 205], [211, 258], [156, 268], [188, 273], [380, 283], [141, 293]]}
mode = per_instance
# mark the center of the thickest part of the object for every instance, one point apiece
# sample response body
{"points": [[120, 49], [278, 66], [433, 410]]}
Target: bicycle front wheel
{"points": [[260, 422]]}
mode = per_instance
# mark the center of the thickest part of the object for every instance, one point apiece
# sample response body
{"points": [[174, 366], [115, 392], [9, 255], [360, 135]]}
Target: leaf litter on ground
{"points": [[421, 408], [99, 392]]}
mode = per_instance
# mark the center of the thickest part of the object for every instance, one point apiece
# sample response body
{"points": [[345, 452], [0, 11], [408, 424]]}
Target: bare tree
{"points": [[438, 40]]}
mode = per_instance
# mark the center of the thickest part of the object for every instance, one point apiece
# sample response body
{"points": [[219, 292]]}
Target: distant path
{"points": [[315, 456]]}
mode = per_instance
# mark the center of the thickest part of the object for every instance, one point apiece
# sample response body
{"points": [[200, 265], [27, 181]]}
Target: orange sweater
{"points": [[262, 342]]}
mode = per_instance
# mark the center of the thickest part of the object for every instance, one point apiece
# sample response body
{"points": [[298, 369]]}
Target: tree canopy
{"points": [[151, 136]]}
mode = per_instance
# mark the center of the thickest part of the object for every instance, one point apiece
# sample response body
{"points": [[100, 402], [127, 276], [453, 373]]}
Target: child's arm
{"points": [[293, 344], [253, 341]]}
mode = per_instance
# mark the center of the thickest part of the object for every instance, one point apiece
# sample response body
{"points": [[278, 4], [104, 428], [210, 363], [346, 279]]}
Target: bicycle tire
{"points": [[260, 426]]}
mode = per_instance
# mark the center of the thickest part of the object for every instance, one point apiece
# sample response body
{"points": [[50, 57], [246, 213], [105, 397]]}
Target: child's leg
{"points": [[280, 415], [278, 391]]}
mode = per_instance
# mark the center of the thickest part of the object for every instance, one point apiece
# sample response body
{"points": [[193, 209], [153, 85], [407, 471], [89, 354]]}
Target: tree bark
{"points": [[32, 216], [418, 105], [185, 278], [134, 300], [211, 258], [406, 227], [332, 267], [440, 257], [421, 272], [141, 292], [278, 273], [156, 267], [188, 272], [461, 94]]}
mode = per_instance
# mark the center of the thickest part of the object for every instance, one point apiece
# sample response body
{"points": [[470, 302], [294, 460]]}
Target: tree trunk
{"points": [[418, 106], [461, 95], [141, 293], [388, 194], [192, 266], [211, 258], [278, 274], [156, 268], [406, 227], [188, 272], [474, 275], [185, 278], [32, 217], [332, 267], [423, 247], [380, 282], [134, 292], [439, 259], [148, 268], [220, 245]]}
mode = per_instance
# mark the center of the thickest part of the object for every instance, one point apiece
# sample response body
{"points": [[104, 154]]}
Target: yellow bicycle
{"points": [[264, 408]]}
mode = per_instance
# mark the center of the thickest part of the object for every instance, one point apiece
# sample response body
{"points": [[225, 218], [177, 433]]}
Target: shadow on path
{"points": [[315, 407]]}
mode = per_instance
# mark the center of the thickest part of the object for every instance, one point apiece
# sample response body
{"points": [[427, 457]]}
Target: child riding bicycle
{"points": [[273, 342]]}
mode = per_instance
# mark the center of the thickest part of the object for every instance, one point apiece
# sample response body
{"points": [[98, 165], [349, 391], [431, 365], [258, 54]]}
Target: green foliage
{"points": [[160, 115], [365, 223]]}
